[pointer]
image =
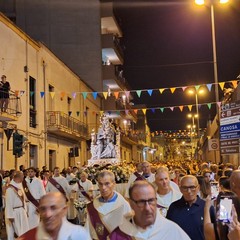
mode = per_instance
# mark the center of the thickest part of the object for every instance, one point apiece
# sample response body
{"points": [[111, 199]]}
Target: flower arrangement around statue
{"points": [[121, 173]]}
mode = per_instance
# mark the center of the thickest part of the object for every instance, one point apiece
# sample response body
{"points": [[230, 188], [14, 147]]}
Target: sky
{"points": [[168, 44]]}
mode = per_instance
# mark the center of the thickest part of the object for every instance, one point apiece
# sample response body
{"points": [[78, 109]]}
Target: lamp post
{"points": [[191, 127], [215, 68], [196, 92], [192, 116]]}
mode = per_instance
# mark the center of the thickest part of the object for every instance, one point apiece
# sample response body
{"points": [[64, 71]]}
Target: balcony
{"points": [[61, 124], [112, 49], [13, 109], [129, 138], [114, 79], [109, 24]]}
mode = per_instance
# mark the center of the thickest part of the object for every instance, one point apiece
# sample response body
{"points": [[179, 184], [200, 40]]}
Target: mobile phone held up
{"points": [[225, 210], [214, 190]]}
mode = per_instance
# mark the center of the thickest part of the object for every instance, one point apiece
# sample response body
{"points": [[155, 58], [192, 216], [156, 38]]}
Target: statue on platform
{"points": [[103, 144]]}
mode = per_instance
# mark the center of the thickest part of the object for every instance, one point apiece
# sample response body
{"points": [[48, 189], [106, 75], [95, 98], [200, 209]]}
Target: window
{"points": [[32, 101], [51, 99]]}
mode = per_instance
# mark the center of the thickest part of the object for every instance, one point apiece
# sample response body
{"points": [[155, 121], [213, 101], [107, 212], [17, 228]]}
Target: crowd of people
{"points": [[162, 201]]}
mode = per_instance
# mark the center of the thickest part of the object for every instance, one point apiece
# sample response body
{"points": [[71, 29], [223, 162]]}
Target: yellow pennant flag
{"points": [[181, 108], [190, 107], [116, 94], [52, 94], [105, 94], [144, 111], [101, 113], [161, 90], [221, 84], [234, 83], [172, 90]]}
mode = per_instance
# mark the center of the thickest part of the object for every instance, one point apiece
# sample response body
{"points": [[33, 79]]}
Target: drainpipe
{"points": [[45, 113], [27, 103]]}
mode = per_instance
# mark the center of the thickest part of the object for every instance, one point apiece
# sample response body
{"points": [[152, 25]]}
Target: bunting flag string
{"points": [[152, 109], [167, 134], [127, 93]]}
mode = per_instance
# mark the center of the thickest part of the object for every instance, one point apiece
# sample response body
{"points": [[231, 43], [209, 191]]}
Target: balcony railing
{"points": [[62, 124], [10, 108]]}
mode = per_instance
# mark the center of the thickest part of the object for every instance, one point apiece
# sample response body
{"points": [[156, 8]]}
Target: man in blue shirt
{"points": [[188, 212]]}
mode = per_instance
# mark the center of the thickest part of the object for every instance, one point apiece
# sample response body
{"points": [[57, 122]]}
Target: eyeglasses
{"points": [[142, 202], [186, 188]]}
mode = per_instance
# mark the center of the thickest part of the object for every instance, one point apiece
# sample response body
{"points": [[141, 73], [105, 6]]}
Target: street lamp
{"points": [[212, 2], [192, 130], [196, 92], [192, 116]]}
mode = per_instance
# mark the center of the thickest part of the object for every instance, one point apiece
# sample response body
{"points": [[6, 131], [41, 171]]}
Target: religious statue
{"points": [[103, 144]]}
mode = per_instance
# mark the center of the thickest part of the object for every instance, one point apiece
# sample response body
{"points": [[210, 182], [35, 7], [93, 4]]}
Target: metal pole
{"points": [[214, 57], [46, 161], [198, 125]]}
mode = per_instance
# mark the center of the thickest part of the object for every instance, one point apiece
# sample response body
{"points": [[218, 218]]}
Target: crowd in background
{"points": [[181, 187]]}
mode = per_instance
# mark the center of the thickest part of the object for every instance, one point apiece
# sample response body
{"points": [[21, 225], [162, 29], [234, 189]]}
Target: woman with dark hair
{"points": [[224, 184], [204, 187]]}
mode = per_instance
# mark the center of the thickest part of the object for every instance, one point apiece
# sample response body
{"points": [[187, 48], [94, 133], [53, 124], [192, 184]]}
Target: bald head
{"points": [[52, 209], [186, 177], [57, 196], [235, 182], [18, 176], [189, 188]]}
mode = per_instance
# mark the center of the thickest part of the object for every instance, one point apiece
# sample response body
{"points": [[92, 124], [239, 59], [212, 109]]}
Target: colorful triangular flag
{"points": [[150, 92], [52, 94], [84, 95], [161, 90], [221, 84], [105, 94], [95, 95], [190, 107], [139, 93], [116, 94], [42, 94], [235, 83], [74, 94], [209, 86], [181, 108], [172, 90]]}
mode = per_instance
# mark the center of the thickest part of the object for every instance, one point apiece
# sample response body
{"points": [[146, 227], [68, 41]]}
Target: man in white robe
{"points": [[84, 193], [16, 210], [146, 175], [36, 189], [83, 186], [63, 187], [62, 181], [53, 225], [133, 177], [165, 193], [147, 222], [107, 210]]}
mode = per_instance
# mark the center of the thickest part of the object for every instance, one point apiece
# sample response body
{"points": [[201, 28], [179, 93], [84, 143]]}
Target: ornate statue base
{"points": [[103, 161]]}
